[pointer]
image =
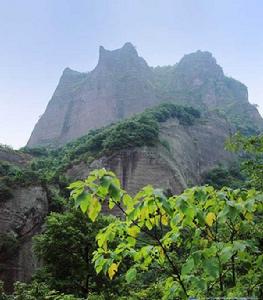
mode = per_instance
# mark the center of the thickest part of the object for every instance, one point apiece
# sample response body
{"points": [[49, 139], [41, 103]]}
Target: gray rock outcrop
{"points": [[21, 217], [118, 87]]}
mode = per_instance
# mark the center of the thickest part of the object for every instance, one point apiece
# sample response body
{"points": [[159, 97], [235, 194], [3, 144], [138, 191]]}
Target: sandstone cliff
{"points": [[197, 80], [183, 155], [21, 217], [118, 87], [123, 84]]}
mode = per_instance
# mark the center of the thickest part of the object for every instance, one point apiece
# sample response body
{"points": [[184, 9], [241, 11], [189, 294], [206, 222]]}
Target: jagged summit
{"points": [[70, 76], [119, 86], [200, 63], [199, 56], [122, 84], [127, 48], [126, 51], [124, 59]]}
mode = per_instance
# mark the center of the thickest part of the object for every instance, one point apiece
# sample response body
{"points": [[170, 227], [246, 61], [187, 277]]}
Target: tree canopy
{"points": [[206, 241]]}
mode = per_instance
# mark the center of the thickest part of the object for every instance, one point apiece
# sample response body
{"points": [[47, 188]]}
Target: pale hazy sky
{"points": [[39, 38]]}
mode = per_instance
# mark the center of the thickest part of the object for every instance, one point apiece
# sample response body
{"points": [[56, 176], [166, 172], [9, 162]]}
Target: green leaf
{"points": [[211, 267], [226, 254], [106, 181], [133, 231], [83, 197], [148, 224], [99, 263], [240, 245], [197, 257], [131, 241], [76, 193], [114, 191], [188, 266], [210, 252], [199, 283], [127, 200], [76, 185], [167, 207], [131, 275], [111, 204]]}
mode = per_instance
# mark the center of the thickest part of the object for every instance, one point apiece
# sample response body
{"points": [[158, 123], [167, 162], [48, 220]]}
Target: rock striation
{"points": [[118, 87], [21, 217], [183, 155]]}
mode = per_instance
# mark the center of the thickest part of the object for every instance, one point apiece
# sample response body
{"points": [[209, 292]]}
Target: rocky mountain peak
{"points": [[122, 84], [125, 58], [200, 64], [126, 50], [70, 76]]}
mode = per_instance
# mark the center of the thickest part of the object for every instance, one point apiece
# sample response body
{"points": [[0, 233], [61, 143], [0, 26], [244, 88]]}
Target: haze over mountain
{"points": [[122, 84]]}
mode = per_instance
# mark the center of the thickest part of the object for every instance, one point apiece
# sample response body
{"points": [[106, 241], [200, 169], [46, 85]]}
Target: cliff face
{"points": [[123, 84], [184, 154], [197, 80], [13, 156], [118, 87], [21, 217]]}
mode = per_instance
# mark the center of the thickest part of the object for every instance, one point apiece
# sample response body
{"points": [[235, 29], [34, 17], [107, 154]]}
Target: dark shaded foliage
{"points": [[225, 176]]}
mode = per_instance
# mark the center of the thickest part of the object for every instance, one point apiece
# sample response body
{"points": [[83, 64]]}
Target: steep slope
{"points": [[179, 160], [23, 207], [198, 80], [21, 217], [123, 84], [118, 87]]}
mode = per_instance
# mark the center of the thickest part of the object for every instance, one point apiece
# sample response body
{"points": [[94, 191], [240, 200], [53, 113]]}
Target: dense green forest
{"points": [[205, 242]]}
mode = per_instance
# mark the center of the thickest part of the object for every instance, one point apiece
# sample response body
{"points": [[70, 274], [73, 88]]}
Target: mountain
{"points": [[197, 80], [122, 84], [169, 145], [119, 86]]}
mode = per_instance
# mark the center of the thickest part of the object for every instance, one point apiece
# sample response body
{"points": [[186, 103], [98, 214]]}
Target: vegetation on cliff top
{"points": [[137, 131], [49, 165]]}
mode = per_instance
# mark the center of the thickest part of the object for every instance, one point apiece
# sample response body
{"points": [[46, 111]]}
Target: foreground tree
{"points": [[205, 242], [65, 247]]}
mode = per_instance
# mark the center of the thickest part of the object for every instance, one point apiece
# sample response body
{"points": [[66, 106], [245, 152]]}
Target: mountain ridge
{"points": [[123, 84]]}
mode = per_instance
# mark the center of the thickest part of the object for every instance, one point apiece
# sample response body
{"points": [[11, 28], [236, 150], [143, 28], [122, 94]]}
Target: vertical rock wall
{"points": [[21, 217]]}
